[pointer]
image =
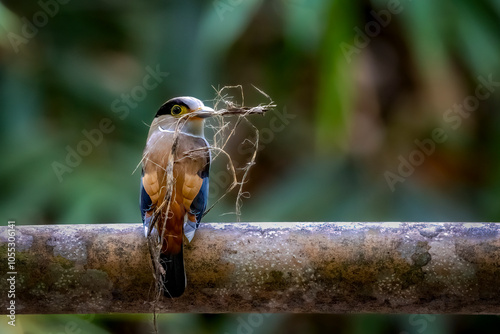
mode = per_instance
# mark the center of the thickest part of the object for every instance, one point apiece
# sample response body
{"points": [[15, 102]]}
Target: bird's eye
{"points": [[176, 110]]}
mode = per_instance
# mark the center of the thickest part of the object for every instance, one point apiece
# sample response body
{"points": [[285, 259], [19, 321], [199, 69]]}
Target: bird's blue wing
{"points": [[199, 204], [145, 204]]}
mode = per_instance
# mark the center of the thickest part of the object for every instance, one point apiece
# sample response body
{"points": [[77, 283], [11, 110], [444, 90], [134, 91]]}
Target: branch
{"points": [[266, 267]]}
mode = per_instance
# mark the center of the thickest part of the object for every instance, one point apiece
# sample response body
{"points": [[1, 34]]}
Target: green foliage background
{"points": [[350, 119]]}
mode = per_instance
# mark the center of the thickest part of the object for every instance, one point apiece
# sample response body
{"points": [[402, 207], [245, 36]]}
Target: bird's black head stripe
{"points": [[166, 108]]}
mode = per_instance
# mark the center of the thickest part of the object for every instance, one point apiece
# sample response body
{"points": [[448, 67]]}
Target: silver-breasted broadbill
{"points": [[179, 120]]}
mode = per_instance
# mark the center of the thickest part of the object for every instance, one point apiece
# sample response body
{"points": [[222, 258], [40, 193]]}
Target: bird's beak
{"points": [[204, 112]]}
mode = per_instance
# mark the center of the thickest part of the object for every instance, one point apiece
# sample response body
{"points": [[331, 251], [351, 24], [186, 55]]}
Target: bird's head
{"points": [[191, 110]]}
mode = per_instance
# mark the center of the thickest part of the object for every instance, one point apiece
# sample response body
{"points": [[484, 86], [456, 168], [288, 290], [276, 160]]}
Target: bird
{"points": [[176, 150]]}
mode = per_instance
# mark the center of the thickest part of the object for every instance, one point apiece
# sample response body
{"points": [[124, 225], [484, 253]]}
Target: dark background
{"points": [[350, 108]]}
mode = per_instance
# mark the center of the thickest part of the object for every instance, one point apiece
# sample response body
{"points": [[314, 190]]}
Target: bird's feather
{"points": [[198, 205]]}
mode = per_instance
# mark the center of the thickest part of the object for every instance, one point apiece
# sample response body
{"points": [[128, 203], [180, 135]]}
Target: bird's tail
{"points": [[174, 281]]}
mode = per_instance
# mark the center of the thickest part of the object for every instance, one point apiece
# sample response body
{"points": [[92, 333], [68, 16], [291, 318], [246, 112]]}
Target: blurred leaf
{"points": [[335, 92]]}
